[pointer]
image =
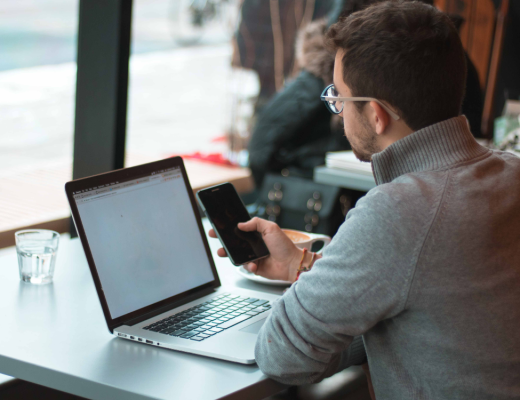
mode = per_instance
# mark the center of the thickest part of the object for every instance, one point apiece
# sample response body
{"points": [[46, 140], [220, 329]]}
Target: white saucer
{"points": [[260, 279]]}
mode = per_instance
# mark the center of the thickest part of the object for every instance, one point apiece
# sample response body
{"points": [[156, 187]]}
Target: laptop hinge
{"points": [[168, 307]]}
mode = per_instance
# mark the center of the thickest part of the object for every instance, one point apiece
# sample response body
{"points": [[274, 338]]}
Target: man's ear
{"points": [[380, 118]]}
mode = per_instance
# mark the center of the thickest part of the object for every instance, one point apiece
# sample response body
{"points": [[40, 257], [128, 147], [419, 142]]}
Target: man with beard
{"points": [[425, 267]]}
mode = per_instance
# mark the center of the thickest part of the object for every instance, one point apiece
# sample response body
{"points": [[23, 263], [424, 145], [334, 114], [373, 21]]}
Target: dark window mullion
{"points": [[102, 86], [104, 35]]}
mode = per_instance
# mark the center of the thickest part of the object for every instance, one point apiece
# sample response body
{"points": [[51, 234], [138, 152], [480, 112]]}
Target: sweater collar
{"points": [[432, 148]]}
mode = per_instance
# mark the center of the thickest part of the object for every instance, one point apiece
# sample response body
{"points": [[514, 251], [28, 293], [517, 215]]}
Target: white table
{"points": [[344, 179], [55, 335]]}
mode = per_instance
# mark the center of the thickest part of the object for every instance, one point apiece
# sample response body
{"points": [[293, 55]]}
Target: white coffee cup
{"points": [[305, 240]]}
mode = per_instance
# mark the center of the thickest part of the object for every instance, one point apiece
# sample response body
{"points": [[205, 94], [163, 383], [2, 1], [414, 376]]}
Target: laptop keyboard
{"points": [[207, 319]]}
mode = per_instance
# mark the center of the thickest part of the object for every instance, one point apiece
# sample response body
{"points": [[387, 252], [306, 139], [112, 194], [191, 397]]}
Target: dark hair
{"points": [[406, 53], [352, 6]]}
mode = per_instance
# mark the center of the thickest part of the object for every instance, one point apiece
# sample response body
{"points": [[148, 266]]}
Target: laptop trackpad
{"points": [[253, 328]]}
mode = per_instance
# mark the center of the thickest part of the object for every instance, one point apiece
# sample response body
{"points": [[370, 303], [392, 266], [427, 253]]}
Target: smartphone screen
{"points": [[225, 210]]}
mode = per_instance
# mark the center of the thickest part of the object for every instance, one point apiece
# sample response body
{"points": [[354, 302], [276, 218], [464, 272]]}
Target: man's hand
{"points": [[285, 257]]}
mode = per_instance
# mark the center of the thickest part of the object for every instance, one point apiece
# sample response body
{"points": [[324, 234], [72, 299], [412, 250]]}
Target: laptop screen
{"points": [[144, 239]]}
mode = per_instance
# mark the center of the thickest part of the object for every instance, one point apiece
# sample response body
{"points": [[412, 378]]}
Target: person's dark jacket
{"points": [[295, 130]]}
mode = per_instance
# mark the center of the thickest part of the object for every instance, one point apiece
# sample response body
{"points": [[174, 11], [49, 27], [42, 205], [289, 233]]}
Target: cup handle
{"points": [[316, 237]]}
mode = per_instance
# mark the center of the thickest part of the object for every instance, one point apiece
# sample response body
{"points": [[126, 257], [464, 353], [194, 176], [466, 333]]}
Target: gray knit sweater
{"points": [[426, 267]]}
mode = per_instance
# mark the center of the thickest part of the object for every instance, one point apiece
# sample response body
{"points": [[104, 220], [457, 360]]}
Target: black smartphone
{"points": [[225, 210]]}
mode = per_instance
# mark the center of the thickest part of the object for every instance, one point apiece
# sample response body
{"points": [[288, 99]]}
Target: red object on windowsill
{"points": [[214, 158], [219, 139]]}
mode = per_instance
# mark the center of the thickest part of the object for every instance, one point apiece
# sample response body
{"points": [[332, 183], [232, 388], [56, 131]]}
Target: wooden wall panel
{"points": [[477, 31], [479, 48]]}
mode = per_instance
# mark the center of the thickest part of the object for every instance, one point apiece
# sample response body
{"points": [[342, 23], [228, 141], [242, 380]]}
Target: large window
{"points": [[37, 88], [199, 70]]}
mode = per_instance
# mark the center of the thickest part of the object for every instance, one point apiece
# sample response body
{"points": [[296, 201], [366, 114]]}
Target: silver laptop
{"points": [[151, 264]]}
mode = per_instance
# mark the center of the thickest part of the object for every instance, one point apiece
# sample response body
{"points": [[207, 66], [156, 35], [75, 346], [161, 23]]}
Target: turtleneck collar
{"points": [[435, 147]]}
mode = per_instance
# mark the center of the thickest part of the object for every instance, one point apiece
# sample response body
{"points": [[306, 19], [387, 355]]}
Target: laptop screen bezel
{"points": [[122, 175]]}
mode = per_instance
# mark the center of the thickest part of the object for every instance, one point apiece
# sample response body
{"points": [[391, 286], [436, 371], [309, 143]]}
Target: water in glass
{"points": [[36, 254], [36, 263]]}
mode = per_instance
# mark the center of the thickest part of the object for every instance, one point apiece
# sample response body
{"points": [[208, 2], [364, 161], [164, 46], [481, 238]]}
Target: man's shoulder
{"points": [[513, 159], [404, 207], [407, 192]]}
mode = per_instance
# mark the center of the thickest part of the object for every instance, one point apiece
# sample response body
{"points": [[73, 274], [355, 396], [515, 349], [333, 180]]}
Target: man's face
{"points": [[358, 130]]}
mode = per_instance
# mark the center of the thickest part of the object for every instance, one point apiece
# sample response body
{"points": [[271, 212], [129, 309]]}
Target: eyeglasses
{"points": [[335, 103]]}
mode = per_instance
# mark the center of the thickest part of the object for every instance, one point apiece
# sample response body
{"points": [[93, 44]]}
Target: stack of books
{"points": [[347, 161]]}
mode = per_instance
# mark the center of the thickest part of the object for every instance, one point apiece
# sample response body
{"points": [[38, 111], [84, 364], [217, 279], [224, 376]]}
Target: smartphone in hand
{"points": [[225, 210]]}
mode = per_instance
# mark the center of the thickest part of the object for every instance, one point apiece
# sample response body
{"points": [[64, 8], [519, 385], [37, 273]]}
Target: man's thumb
{"points": [[249, 226]]}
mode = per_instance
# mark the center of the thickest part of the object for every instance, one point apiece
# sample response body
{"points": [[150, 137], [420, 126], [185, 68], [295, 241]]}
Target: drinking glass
{"points": [[36, 250]]}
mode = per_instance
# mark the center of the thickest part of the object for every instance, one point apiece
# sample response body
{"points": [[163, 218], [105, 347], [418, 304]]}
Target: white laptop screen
{"points": [[144, 239]]}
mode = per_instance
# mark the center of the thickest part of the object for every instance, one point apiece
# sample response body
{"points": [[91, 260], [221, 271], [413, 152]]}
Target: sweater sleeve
{"points": [[363, 278]]}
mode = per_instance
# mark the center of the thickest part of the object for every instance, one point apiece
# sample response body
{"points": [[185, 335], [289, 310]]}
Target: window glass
{"points": [[37, 90], [184, 94]]}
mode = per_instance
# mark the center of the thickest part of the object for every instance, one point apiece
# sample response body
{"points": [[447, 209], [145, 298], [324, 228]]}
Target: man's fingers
{"points": [[251, 267], [221, 252]]}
